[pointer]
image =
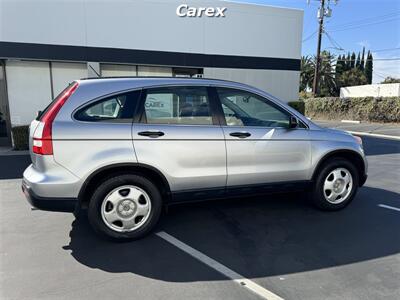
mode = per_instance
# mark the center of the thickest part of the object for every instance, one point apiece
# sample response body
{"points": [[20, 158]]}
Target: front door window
{"points": [[242, 108]]}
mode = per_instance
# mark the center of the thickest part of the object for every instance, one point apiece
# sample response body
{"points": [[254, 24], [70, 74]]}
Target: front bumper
{"points": [[363, 179], [49, 204]]}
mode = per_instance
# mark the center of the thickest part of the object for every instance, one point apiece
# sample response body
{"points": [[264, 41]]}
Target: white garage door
{"points": [[65, 73], [28, 86], [108, 70], [154, 71]]}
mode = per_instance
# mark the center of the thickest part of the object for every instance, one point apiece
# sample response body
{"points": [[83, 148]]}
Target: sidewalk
{"points": [[4, 151], [391, 131]]}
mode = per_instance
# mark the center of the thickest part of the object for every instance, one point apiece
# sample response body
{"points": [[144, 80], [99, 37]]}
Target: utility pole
{"points": [[321, 14]]}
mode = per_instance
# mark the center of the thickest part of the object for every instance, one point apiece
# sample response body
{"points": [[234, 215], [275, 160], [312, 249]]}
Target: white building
{"points": [[371, 90], [44, 45]]}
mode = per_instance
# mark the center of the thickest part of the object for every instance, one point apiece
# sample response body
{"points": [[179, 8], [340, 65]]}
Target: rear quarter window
{"points": [[118, 108]]}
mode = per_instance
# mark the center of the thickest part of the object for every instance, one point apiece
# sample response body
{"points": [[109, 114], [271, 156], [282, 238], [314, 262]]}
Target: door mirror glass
{"points": [[294, 123]]}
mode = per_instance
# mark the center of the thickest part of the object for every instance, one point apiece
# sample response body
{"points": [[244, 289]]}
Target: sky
{"points": [[374, 24]]}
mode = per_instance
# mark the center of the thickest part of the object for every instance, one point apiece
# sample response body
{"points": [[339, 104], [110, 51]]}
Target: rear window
{"points": [[118, 108]]}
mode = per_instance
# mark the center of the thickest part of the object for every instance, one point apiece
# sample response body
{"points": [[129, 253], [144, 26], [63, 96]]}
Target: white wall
{"points": [[371, 90], [65, 73], [112, 70], [281, 84], [109, 70], [154, 71], [28, 87], [247, 29]]}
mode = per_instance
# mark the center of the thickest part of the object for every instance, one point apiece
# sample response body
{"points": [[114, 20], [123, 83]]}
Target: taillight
{"points": [[42, 138]]}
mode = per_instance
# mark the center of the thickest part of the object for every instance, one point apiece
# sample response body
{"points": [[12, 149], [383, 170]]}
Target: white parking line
{"points": [[247, 283], [389, 207]]}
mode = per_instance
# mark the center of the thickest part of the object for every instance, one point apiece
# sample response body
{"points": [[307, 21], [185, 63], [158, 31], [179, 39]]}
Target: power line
{"points": [[384, 73], [310, 36], [393, 58], [380, 75], [364, 25], [368, 20], [388, 49], [333, 42], [374, 59]]}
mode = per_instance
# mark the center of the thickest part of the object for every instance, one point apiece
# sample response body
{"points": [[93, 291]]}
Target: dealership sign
{"points": [[185, 10]]}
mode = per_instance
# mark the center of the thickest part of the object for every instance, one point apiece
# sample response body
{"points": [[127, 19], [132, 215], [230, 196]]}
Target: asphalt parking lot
{"points": [[279, 242]]}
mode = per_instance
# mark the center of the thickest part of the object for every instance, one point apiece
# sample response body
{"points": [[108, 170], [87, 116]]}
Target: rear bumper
{"points": [[49, 204]]}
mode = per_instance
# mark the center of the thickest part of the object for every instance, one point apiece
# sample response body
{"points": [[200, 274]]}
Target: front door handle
{"points": [[152, 134], [240, 134]]}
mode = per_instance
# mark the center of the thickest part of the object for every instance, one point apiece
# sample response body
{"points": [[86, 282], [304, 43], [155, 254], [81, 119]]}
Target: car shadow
{"points": [[379, 146], [13, 166], [257, 238]]}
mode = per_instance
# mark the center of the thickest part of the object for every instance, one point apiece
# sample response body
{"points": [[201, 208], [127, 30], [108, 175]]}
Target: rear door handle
{"points": [[240, 134], [152, 134]]}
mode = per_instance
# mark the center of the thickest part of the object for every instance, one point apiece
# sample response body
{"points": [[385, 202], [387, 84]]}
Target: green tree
{"points": [[348, 62], [351, 78], [391, 80], [306, 73], [340, 65], [369, 67], [327, 78], [327, 81], [358, 62], [362, 65], [353, 61]]}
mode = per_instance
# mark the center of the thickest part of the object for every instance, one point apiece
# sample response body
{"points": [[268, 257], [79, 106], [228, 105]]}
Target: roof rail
{"points": [[156, 77]]}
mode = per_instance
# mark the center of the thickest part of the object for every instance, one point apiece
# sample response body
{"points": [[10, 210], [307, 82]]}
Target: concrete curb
{"points": [[14, 153], [351, 121], [384, 136]]}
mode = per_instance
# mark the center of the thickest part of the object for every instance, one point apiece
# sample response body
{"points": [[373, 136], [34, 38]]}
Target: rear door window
{"points": [[177, 105]]}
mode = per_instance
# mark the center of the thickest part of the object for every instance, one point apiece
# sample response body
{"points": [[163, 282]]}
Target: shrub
{"points": [[21, 137], [298, 105], [369, 109]]}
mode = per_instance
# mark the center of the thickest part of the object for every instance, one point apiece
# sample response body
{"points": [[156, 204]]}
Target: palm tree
{"points": [[327, 80], [306, 74]]}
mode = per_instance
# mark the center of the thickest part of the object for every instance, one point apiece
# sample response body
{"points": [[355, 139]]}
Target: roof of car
{"points": [[148, 81], [164, 80]]}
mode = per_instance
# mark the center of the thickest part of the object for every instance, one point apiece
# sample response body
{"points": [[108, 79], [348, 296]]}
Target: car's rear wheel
{"points": [[336, 184], [125, 207]]}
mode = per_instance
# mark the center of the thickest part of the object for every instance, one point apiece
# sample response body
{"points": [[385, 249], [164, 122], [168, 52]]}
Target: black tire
{"points": [[104, 188], [317, 192]]}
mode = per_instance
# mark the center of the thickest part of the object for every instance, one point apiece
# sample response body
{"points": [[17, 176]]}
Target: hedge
{"points": [[20, 137], [370, 109], [298, 105]]}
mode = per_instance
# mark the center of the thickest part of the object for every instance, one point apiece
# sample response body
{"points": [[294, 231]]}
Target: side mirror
{"points": [[293, 122]]}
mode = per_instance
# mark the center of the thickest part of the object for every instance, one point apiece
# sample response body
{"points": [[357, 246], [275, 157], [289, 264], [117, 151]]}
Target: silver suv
{"points": [[125, 147]]}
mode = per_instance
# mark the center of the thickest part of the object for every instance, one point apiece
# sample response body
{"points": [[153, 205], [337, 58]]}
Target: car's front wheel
{"points": [[125, 207], [336, 185]]}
